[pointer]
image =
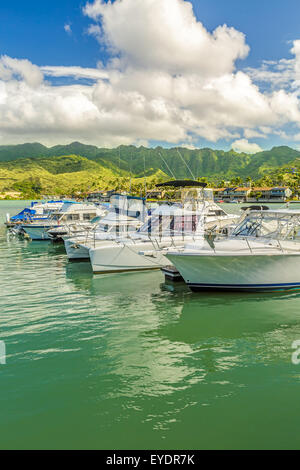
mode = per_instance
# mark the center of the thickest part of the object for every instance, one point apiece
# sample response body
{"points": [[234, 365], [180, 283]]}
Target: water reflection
{"points": [[131, 349], [161, 341], [223, 315]]}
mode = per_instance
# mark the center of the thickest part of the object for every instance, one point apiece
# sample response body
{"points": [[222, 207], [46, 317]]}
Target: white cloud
{"points": [[76, 72], [11, 68], [68, 28], [284, 73], [168, 79], [276, 75], [243, 145], [152, 34], [95, 30], [253, 133]]}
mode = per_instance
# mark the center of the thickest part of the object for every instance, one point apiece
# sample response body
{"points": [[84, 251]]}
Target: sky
{"points": [[198, 73]]}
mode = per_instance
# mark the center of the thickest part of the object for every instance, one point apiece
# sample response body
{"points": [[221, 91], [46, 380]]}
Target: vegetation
{"points": [[34, 169], [70, 175]]}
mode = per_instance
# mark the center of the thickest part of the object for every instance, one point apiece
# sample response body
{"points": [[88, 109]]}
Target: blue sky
{"points": [[34, 29], [55, 33]]}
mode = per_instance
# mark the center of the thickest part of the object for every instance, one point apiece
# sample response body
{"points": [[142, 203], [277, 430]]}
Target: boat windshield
{"points": [[56, 215], [279, 226], [170, 225], [96, 219], [104, 228], [116, 228], [216, 213]]}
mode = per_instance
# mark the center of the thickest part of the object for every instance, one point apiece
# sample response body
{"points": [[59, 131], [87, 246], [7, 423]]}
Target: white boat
{"points": [[125, 216], [145, 249], [67, 231], [38, 211], [110, 227], [70, 213], [262, 254], [169, 226]]}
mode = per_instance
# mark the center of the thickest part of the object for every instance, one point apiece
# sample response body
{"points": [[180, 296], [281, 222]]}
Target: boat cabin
{"points": [[170, 221], [117, 225], [279, 224], [76, 212]]}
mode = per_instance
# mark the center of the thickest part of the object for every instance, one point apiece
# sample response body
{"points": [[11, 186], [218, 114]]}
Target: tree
{"points": [[249, 181]]}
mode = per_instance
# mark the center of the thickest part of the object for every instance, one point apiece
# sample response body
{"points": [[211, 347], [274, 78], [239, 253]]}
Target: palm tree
{"points": [[249, 181]]}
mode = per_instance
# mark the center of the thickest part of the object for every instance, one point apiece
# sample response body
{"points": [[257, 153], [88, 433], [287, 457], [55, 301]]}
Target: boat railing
{"points": [[251, 251], [266, 244]]}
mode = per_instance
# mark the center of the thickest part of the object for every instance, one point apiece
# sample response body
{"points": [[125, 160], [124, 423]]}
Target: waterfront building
{"points": [[256, 194]]}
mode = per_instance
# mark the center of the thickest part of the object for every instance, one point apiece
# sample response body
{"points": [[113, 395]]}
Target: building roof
{"points": [[242, 189], [232, 189], [270, 188], [238, 189]]}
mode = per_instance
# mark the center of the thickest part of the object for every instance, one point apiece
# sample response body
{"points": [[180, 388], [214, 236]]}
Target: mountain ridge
{"points": [[34, 169], [203, 162]]}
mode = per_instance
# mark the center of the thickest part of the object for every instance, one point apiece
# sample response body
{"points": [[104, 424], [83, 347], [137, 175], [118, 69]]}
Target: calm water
{"points": [[128, 362]]}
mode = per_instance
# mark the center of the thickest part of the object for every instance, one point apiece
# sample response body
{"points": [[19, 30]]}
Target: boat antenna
{"points": [[145, 181], [130, 173], [119, 188], [169, 169], [185, 163]]}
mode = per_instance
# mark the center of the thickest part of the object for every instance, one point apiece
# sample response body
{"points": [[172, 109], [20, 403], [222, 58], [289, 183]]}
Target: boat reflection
{"points": [[231, 316], [81, 275], [160, 342]]}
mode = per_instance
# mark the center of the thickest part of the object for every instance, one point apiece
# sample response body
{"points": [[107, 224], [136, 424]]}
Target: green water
{"points": [[128, 362]]}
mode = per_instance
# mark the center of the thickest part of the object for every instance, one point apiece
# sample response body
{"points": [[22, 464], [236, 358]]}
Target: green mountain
{"points": [[53, 175], [265, 162], [66, 168], [202, 162], [13, 152], [67, 175]]}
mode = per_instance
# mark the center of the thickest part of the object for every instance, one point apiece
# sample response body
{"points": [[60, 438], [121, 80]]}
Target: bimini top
{"points": [[182, 184], [256, 208]]}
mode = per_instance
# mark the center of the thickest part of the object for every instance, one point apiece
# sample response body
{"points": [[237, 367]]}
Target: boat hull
{"points": [[125, 258], [239, 273], [37, 232], [76, 252]]}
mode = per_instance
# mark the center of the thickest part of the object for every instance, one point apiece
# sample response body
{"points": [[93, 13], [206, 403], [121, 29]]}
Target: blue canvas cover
{"points": [[24, 214]]}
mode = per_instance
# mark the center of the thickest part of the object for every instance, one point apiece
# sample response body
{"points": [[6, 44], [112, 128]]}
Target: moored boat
{"points": [[126, 214], [169, 226], [262, 254], [69, 214], [38, 211], [110, 227]]}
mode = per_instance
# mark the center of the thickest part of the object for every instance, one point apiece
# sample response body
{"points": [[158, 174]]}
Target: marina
{"points": [[192, 239], [149, 228]]}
